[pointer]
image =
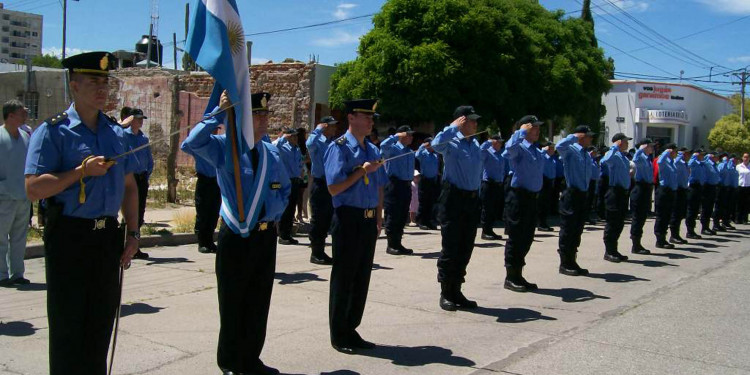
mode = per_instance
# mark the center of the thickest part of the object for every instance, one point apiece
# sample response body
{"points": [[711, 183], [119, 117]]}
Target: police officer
{"points": [[246, 257], [640, 196], [593, 182], [696, 181], [602, 186], [207, 201], [320, 199], [527, 162], [291, 156], [144, 167], [68, 166], [397, 191], [682, 174], [709, 193], [355, 181], [724, 197], [491, 190], [616, 198], [429, 185], [577, 162], [546, 200], [665, 195], [458, 204]]}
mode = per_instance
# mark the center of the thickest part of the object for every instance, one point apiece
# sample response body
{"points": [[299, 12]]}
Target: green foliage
{"points": [[48, 61], [729, 135], [507, 58], [736, 99]]}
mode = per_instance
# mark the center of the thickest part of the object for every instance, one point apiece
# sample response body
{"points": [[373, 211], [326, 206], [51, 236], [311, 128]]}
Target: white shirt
{"points": [[744, 172]]}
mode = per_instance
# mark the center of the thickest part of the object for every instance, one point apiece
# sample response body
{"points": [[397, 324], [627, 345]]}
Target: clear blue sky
{"points": [[119, 24]]}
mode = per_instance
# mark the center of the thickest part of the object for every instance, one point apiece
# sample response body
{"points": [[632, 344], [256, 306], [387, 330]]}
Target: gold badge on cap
{"points": [[375, 106], [264, 102], [104, 62]]}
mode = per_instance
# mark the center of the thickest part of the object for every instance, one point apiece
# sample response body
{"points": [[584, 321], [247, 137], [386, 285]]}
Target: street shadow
{"points": [[593, 229], [296, 278], [674, 256], [177, 260], [138, 308], [17, 329], [418, 233], [376, 267], [727, 235], [651, 263], [720, 240], [340, 372], [487, 245], [411, 356], [511, 315], [616, 277], [698, 250], [544, 235], [31, 287], [707, 245], [432, 255], [570, 295]]}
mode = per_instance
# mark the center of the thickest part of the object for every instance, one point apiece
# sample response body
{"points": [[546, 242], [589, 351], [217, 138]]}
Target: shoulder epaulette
{"points": [[341, 141], [111, 118], [56, 119]]}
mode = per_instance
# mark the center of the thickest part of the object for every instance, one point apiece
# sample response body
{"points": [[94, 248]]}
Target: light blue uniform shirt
{"points": [[317, 144], [144, 157], [212, 148], [494, 163], [462, 158], [63, 146], [594, 170], [618, 166], [291, 156], [428, 162], [559, 169], [527, 162], [726, 172], [401, 168], [342, 157], [667, 173], [576, 162], [550, 166], [712, 173], [682, 172], [201, 166], [644, 171], [697, 171], [12, 179]]}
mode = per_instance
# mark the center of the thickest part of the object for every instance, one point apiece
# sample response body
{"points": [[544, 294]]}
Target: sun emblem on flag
{"points": [[236, 37]]}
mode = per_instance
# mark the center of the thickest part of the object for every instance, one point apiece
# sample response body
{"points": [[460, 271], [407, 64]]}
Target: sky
{"points": [[646, 38]]}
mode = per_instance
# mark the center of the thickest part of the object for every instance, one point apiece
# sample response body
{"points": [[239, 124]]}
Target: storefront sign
{"points": [[658, 92], [667, 116]]}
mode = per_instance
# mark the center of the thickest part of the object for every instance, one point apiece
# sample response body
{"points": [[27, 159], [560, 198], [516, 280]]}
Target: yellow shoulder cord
{"points": [[82, 192], [367, 180]]}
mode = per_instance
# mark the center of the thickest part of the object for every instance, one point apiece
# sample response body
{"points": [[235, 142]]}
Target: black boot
{"points": [[574, 264], [611, 254], [395, 248], [490, 235], [638, 248], [676, 239], [529, 286], [706, 231], [661, 242], [566, 266], [460, 300], [513, 280], [692, 235], [446, 297]]}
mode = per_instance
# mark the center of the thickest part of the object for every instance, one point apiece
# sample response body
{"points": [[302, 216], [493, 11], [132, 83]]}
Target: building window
{"points": [[6, 39], [6, 16], [5, 50], [6, 29], [34, 33]]}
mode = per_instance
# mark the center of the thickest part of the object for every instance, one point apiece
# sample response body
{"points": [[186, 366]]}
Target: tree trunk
{"points": [[174, 141]]}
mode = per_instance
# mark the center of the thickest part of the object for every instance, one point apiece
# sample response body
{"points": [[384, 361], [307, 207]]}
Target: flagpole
{"points": [[236, 162]]}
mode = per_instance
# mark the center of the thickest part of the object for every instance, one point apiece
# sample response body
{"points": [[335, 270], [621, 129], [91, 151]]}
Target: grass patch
{"points": [[183, 221], [34, 234], [150, 229]]}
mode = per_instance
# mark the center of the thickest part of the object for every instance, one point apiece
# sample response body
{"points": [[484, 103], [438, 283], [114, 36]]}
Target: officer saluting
{"points": [[397, 192], [355, 181], [459, 204], [640, 196], [696, 181], [245, 262], [320, 199], [577, 163], [527, 162], [491, 191], [429, 185], [67, 165], [665, 195], [616, 198]]}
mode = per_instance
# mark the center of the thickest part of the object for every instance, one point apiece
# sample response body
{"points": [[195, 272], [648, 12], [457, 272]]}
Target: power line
{"points": [[310, 26]]}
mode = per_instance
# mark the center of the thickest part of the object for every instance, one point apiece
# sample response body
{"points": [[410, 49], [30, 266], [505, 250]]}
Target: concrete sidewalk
{"points": [[676, 311]]}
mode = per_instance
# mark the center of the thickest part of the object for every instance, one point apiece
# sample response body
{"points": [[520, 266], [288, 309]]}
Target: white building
{"points": [[671, 112], [20, 35]]}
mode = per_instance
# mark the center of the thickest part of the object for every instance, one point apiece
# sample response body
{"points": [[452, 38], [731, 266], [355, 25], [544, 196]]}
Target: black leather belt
{"points": [[96, 224]]}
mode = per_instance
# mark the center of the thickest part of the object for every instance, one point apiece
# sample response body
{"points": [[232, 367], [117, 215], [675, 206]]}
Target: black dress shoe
{"points": [[288, 241], [677, 240], [360, 343], [640, 251], [323, 259], [615, 258], [568, 270], [205, 250], [5, 283], [693, 236], [424, 227], [20, 281], [664, 245], [719, 228], [491, 237], [464, 303], [515, 286], [708, 232], [140, 255], [529, 286], [344, 348], [399, 251], [446, 304], [545, 229]]}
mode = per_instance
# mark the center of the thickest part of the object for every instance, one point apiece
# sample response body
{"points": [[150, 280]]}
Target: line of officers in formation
{"points": [[74, 163]]}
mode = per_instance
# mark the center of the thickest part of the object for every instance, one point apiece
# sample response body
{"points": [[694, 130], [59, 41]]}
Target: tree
{"points": [[508, 58], [49, 61], [729, 135]]}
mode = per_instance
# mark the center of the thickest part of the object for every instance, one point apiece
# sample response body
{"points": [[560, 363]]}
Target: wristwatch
{"points": [[135, 234]]}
